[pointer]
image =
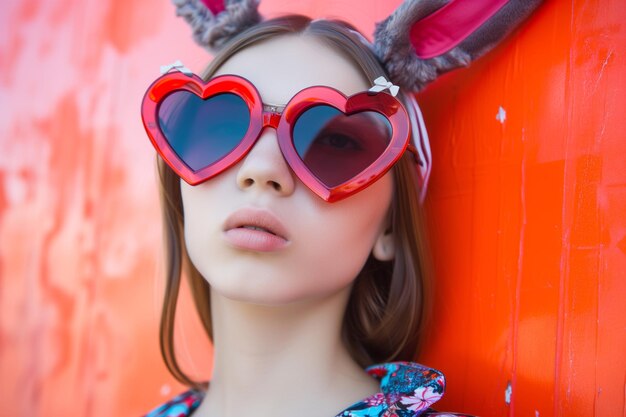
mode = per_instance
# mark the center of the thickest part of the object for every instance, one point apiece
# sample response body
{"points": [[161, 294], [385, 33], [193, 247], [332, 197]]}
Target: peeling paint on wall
{"points": [[501, 115], [507, 394]]}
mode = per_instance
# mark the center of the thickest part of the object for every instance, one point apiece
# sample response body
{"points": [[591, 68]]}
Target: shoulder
{"points": [[180, 406]]}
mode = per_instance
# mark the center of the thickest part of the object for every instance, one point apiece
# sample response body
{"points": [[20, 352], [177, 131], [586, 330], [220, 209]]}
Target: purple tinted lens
{"points": [[336, 147], [201, 131]]}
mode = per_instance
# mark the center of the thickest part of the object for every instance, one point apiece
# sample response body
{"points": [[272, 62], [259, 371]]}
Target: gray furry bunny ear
{"points": [[425, 38], [214, 22]]}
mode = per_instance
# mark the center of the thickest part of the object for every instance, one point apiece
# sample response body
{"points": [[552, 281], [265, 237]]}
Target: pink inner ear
{"points": [[215, 6], [444, 29]]}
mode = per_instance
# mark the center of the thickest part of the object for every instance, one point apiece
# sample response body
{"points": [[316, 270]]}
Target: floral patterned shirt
{"points": [[407, 389]]}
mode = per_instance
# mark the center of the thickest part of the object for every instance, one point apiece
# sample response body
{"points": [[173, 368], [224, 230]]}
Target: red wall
{"points": [[527, 215]]}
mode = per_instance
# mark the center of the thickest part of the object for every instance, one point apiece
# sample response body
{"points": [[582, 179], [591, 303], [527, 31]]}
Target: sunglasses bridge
{"points": [[272, 114]]}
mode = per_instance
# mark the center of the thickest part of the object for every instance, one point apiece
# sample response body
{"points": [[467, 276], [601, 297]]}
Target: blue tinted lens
{"points": [[336, 147], [201, 131]]}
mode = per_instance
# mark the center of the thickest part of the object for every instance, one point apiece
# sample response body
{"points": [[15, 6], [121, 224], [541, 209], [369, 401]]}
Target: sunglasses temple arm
{"points": [[411, 148]]}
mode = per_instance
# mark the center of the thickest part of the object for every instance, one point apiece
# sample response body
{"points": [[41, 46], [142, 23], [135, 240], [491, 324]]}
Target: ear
{"points": [[384, 248], [425, 38], [215, 22]]}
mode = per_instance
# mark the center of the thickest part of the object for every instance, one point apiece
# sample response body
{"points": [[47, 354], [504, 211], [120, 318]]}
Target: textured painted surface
{"points": [[527, 198], [528, 219]]}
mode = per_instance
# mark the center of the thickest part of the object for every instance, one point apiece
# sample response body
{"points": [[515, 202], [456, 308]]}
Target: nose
{"points": [[264, 168]]}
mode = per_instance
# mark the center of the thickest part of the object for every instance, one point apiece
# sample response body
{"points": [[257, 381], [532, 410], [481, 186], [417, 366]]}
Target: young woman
{"points": [[290, 177]]}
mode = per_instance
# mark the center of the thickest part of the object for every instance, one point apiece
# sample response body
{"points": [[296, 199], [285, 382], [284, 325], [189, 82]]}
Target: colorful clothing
{"points": [[407, 390]]}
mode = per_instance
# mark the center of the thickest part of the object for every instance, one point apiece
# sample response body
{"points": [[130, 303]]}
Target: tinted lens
{"points": [[336, 147], [201, 131]]}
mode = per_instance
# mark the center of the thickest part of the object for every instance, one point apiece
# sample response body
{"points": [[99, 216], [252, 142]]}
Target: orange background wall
{"points": [[527, 221]]}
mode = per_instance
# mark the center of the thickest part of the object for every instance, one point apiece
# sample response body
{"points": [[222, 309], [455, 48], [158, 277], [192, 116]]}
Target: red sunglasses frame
{"points": [[282, 122]]}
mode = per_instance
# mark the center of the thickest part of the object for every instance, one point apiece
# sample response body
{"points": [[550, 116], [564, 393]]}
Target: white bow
{"points": [[178, 66], [381, 84]]}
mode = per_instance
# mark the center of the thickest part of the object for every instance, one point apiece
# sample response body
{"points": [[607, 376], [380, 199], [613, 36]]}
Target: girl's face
{"points": [[323, 245]]}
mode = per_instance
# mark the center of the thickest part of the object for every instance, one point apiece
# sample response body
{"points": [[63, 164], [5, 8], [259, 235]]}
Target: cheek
{"points": [[341, 243], [201, 213], [194, 222]]}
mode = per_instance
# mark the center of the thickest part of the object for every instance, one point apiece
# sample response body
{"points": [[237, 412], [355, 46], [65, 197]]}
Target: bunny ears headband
{"points": [[419, 41]]}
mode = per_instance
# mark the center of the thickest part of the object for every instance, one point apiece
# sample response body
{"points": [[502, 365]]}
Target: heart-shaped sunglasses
{"points": [[336, 145]]}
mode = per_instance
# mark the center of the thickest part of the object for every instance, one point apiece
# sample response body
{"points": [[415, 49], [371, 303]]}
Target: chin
{"points": [[275, 294]]}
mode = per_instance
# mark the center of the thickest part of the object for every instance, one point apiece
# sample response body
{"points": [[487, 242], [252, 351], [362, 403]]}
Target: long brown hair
{"points": [[387, 309]]}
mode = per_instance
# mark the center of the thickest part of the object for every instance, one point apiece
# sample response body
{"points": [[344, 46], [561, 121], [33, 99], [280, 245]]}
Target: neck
{"points": [[282, 360]]}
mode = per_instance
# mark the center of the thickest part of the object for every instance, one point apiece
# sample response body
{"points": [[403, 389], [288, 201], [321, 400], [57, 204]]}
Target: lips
{"points": [[256, 230]]}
